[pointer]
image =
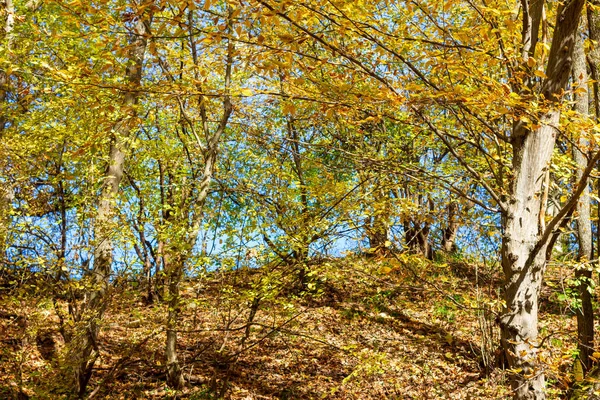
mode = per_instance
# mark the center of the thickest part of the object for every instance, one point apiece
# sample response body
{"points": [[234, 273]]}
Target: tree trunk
{"points": [[378, 224], [85, 351], [174, 375], [524, 239], [449, 236], [177, 248], [417, 238], [6, 192], [593, 17], [583, 274], [523, 275], [6, 199]]}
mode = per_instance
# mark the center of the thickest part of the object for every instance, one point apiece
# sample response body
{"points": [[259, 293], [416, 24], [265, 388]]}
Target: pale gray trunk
{"points": [[6, 192], [524, 275], [524, 240], [174, 271], [451, 230], [593, 17], [585, 313], [85, 352], [6, 199], [302, 239], [9, 24], [210, 151]]}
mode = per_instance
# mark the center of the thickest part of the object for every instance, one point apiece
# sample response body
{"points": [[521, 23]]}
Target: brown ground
{"points": [[369, 329]]}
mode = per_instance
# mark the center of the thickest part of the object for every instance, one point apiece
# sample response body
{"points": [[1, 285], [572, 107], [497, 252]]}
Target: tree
{"points": [[85, 350], [525, 237], [187, 165], [583, 274], [532, 136]]}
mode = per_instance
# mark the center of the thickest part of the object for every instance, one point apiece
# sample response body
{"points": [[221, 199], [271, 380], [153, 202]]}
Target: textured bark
{"points": [[449, 236], [174, 375], [303, 237], [524, 275], [585, 313], [178, 248], [6, 192], [593, 17], [85, 351], [417, 238], [524, 242], [6, 199], [416, 233]]}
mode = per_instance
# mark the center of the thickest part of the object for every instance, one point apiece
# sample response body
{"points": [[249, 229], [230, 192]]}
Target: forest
{"points": [[283, 199]]}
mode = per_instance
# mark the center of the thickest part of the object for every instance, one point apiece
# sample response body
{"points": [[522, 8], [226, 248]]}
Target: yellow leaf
{"points": [[286, 38], [289, 108], [449, 338], [246, 92], [385, 270], [578, 371], [539, 73]]}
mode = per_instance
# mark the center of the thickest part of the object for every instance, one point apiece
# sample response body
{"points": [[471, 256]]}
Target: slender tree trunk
{"points": [[184, 246], [9, 24], [6, 192], [593, 17], [85, 351], [301, 250], [585, 313], [174, 375], [6, 199], [524, 240]]}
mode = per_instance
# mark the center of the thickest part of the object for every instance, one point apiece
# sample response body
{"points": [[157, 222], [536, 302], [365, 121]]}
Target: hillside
{"points": [[400, 328]]}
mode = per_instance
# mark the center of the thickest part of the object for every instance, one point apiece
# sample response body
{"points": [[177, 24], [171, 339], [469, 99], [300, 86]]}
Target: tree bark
{"points": [[6, 199], [593, 18], [174, 272], [416, 236], [451, 230], [6, 192], [85, 351], [583, 274], [178, 248], [524, 240], [416, 233]]}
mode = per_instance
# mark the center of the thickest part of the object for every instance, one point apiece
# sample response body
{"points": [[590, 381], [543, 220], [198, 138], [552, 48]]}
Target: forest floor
{"points": [[400, 328]]}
